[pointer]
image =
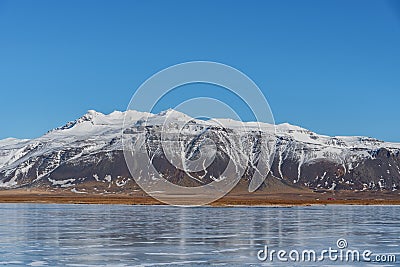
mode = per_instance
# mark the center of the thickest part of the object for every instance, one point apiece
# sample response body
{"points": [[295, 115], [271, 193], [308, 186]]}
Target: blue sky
{"points": [[329, 66]]}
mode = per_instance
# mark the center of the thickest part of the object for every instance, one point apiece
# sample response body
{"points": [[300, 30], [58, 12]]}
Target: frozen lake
{"points": [[121, 235]]}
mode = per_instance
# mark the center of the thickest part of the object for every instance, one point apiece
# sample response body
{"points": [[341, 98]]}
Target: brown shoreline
{"points": [[262, 199]]}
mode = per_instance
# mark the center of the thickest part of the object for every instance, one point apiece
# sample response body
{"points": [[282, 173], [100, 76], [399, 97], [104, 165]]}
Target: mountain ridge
{"points": [[73, 155]]}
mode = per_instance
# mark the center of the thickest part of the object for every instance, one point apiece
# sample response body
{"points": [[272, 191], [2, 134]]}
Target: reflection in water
{"points": [[120, 235]]}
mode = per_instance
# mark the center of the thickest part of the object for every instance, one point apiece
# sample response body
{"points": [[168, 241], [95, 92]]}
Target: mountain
{"points": [[86, 155]]}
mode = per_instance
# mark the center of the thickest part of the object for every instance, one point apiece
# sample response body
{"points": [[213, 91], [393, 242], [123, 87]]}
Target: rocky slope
{"points": [[86, 155]]}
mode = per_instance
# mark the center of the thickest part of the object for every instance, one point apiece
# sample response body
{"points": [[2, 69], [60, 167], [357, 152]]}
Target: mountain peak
{"points": [[89, 116], [93, 112], [173, 113]]}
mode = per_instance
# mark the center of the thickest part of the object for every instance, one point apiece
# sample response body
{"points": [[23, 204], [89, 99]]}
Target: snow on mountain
{"points": [[89, 150]]}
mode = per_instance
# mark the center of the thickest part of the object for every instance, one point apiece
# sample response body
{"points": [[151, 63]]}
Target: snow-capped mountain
{"points": [[86, 154]]}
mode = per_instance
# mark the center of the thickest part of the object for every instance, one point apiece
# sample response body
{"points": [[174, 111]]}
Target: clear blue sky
{"points": [[329, 66]]}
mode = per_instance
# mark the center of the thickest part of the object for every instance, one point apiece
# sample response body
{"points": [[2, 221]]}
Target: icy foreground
{"points": [[86, 155]]}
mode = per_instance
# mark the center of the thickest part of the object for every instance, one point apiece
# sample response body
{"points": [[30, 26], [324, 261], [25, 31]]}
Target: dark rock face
{"points": [[68, 158], [380, 171]]}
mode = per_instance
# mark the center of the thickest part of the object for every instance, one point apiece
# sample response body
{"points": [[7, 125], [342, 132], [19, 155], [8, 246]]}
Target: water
{"points": [[121, 235]]}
